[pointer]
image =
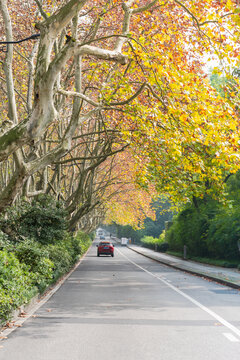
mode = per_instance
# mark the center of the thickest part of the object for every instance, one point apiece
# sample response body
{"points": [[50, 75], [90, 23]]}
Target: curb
{"points": [[35, 303], [199, 274]]}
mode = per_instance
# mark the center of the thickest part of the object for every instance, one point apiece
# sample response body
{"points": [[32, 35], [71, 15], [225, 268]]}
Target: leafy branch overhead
{"points": [[111, 80]]}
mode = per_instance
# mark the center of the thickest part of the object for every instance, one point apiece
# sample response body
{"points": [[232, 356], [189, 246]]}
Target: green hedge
{"points": [[16, 284], [28, 268], [35, 250], [158, 244]]}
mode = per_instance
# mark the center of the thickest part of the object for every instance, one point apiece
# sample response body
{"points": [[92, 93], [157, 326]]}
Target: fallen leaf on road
{"points": [[1, 346], [9, 325], [22, 314], [49, 310], [18, 325], [34, 316], [3, 337]]}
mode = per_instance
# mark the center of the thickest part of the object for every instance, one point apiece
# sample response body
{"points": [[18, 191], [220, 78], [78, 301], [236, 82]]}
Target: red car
{"points": [[105, 248]]}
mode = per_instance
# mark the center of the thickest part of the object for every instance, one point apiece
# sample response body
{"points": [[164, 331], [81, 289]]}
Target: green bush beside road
{"points": [[28, 265], [16, 284], [158, 244], [210, 230]]}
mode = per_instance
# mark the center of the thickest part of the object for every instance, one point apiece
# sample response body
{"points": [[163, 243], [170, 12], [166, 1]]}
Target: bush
{"points": [[230, 265], [3, 237], [149, 242], [30, 252], [65, 253], [61, 259], [83, 240], [36, 251], [36, 257], [191, 226], [16, 284], [212, 230], [44, 220], [155, 243], [163, 247], [72, 246], [224, 233], [5, 243]]}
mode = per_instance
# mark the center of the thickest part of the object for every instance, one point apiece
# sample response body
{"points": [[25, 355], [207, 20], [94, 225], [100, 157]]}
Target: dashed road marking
{"points": [[231, 337]]}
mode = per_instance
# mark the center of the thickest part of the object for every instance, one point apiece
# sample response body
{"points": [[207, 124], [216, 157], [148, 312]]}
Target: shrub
{"points": [[36, 257], [28, 267], [224, 233], [190, 227], [173, 237], [230, 265], [163, 247], [155, 243], [65, 253], [3, 237], [44, 220], [30, 252], [149, 241], [61, 259], [162, 236], [5, 244], [83, 240], [72, 246], [212, 230], [16, 284]]}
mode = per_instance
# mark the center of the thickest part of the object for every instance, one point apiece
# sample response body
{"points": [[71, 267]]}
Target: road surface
{"points": [[130, 307]]}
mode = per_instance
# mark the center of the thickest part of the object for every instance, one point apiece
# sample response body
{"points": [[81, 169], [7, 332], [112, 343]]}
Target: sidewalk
{"points": [[229, 277]]}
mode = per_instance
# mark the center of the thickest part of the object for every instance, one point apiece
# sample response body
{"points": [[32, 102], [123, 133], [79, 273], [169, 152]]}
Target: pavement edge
{"points": [[202, 275]]}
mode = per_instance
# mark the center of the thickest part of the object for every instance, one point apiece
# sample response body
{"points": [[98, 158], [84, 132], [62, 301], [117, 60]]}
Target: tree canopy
{"points": [[111, 104]]}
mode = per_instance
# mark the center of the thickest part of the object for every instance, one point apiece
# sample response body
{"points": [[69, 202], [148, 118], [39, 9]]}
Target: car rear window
{"points": [[104, 243]]}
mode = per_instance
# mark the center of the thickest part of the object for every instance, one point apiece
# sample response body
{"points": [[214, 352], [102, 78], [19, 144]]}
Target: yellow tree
{"points": [[136, 64], [184, 135]]}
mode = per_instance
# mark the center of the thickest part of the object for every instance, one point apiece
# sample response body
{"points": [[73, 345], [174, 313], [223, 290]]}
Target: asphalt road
{"points": [[130, 307]]}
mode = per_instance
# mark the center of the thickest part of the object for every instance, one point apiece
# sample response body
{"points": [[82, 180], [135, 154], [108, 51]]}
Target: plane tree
{"points": [[56, 97], [106, 76]]}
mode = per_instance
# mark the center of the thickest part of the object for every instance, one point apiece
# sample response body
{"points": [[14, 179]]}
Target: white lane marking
{"points": [[204, 308], [231, 337]]}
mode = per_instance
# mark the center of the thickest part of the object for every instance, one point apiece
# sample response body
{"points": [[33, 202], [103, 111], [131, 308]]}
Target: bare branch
{"points": [[110, 55], [76, 94]]}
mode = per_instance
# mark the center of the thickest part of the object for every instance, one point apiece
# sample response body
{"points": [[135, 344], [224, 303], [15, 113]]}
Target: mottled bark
{"points": [[45, 100]]}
